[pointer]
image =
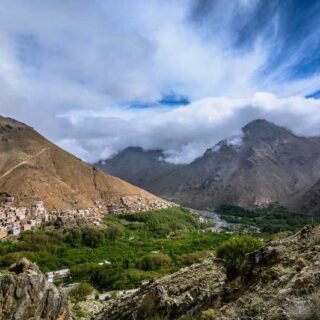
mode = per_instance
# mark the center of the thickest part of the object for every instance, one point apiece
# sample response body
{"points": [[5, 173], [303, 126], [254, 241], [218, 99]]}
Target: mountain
{"points": [[137, 166], [278, 281], [268, 164], [32, 168], [310, 201]]}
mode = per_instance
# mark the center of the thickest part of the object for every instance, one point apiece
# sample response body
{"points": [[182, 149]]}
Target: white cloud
{"points": [[68, 67], [186, 132]]}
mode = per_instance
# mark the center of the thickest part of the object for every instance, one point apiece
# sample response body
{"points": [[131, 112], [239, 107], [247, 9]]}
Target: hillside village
{"points": [[16, 219]]}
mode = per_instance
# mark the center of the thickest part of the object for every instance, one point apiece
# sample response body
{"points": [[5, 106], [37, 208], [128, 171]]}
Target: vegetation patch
{"points": [[234, 250], [272, 219], [133, 248]]}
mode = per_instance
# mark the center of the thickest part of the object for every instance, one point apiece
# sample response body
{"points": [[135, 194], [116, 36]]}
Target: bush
{"points": [[73, 237], [208, 315], [114, 232], [154, 262], [193, 257], [92, 238], [80, 291], [119, 279], [83, 271], [234, 250]]}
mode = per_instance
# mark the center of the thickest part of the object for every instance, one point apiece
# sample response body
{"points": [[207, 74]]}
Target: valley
{"points": [[111, 250], [160, 160]]}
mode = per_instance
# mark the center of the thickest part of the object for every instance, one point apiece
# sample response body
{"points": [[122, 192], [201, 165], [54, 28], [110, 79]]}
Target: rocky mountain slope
{"points": [[26, 294], [269, 164], [33, 168], [137, 166], [310, 201], [279, 281]]}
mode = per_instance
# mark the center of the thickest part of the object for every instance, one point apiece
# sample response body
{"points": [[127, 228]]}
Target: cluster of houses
{"points": [[14, 220], [137, 204]]}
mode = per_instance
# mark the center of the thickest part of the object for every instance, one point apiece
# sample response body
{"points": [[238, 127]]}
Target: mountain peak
{"points": [[264, 129]]}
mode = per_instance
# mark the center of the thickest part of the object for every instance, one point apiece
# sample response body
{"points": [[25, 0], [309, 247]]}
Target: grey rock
{"points": [[26, 294]]}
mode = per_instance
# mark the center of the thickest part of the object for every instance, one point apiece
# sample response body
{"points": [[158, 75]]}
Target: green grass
{"points": [[128, 243]]}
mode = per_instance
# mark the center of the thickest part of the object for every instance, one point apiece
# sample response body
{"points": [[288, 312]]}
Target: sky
{"points": [[180, 75]]}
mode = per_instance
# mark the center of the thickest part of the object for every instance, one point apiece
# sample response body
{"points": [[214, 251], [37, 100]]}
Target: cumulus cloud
{"points": [[77, 70], [187, 131]]}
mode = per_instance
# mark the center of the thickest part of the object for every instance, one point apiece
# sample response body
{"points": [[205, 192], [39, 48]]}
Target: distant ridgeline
{"points": [[266, 164]]}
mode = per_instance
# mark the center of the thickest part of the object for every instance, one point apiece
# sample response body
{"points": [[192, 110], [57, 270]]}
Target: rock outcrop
{"points": [[26, 294], [281, 280], [185, 292]]}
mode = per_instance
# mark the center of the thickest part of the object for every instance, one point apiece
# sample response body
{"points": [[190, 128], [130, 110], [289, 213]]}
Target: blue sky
{"points": [[98, 76]]}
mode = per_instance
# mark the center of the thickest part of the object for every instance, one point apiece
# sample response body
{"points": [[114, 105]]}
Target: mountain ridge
{"points": [[137, 166], [33, 168], [267, 164]]}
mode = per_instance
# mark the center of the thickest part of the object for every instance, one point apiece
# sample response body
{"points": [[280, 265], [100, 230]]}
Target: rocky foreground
{"points": [[279, 281], [26, 294]]}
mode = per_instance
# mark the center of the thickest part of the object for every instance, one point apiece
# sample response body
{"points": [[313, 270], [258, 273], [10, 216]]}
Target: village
{"points": [[15, 220]]}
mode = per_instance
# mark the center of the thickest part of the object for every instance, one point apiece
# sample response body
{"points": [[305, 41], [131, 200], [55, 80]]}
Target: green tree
{"points": [[73, 237], [80, 291], [154, 262], [92, 238], [114, 232], [234, 250]]}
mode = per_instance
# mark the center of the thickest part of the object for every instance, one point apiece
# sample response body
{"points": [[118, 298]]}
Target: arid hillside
{"points": [[32, 168]]}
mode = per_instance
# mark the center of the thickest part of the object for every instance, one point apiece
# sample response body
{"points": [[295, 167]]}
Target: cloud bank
{"points": [[95, 76], [187, 131]]}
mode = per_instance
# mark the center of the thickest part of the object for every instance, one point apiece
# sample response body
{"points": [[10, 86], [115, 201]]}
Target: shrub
{"points": [[92, 238], [208, 315], [73, 237], [80, 291], [115, 279], [234, 250], [114, 232], [193, 257], [154, 262], [255, 308], [83, 271]]}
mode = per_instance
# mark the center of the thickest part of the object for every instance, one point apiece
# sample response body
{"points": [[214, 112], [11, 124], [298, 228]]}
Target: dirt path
{"points": [[23, 162]]}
